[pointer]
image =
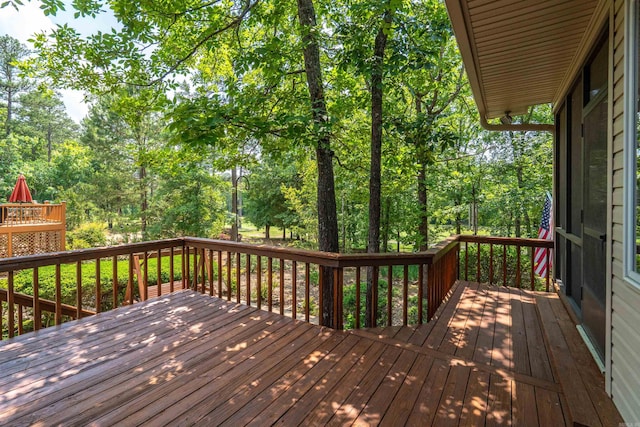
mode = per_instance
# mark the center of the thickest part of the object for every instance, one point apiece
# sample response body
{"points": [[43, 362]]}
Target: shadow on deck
{"points": [[486, 358]]}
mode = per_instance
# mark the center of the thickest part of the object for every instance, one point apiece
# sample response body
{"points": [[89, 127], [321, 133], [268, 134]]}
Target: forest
{"points": [[347, 125]]}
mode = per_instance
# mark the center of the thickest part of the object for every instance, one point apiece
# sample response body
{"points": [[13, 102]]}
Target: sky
{"points": [[29, 19]]}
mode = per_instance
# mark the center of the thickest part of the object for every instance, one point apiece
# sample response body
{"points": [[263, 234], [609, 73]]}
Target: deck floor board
{"points": [[187, 358]]}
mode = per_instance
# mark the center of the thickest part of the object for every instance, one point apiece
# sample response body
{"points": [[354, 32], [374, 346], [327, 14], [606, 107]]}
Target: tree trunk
{"points": [[385, 229], [234, 204], [9, 108], [517, 154], [423, 225], [327, 215], [143, 201], [423, 218], [375, 174], [344, 226], [267, 231], [49, 138]]}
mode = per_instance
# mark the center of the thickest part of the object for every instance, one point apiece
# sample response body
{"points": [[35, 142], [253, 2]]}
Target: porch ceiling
{"points": [[518, 52]]}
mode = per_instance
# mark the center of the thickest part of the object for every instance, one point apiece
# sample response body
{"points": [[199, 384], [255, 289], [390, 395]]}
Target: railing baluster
{"points": [[228, 276], [405, 295], [270, 283], [259, 282], [210, 272], [1, 320], [58, 316], [340, 316], [294, 280], [320, 295], [20, 320], [478, 262], [171, 272], [98, 287], [248, 268], [306, 291], [219, 274], [533, 261], [187, 267], [10, 303], [194, 283], [466, 261], [548, 261], [374, 298], [238, 285], [389, 295], [203, 267], [491, 263], [145, 277], [431, 287], [184, 266], [130, 280], [159, 271], [504, 265], [37, 314], [357, 314], [337, 301], [281, 286], [78, 290], [518, 267], [420, 292], [114, 279]]}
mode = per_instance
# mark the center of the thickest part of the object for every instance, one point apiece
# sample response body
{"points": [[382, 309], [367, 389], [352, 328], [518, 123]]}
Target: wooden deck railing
{"points": [[325, 288], [504, 261], [29, 228], [31, 213], [289, 281]]}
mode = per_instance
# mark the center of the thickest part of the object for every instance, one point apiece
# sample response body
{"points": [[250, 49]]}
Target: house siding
{"points": [[625, 316]]}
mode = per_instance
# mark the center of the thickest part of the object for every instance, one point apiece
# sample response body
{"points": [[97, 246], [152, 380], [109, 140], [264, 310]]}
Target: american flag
{"points": [[544, 232]]}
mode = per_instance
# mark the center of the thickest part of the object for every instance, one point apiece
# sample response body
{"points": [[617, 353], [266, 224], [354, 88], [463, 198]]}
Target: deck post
{"points": [[63, 230]]}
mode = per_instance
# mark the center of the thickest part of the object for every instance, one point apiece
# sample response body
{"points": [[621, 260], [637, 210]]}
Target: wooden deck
{"points": [[187, 358]]}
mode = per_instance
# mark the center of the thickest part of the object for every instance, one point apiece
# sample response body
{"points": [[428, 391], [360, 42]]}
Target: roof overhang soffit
{"points": [[519, 53]]}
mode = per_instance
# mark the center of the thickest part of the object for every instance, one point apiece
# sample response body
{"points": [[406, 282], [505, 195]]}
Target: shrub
{"points": [[90, 235]]}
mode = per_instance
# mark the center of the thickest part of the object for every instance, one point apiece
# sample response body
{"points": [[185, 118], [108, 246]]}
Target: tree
{"points": [[105, 134], [265, 203], [189, 198], [327, 214], [11, 84], [131, 146], [42, 115], [432, 75]]}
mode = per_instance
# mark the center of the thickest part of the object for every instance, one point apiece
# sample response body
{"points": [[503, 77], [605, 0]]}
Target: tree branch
{"points": [[234, 23]]}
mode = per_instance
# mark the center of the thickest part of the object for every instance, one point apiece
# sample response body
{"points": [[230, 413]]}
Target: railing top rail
{"points": [[52, 258], [29, 205], [302, 255], [326, 259], [511, 241]]}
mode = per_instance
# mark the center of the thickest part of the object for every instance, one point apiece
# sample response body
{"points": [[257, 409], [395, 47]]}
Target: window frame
{"points": [[630, 156]]}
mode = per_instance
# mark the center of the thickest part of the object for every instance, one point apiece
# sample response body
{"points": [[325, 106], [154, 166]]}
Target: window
{"points": [[632, 146]]}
